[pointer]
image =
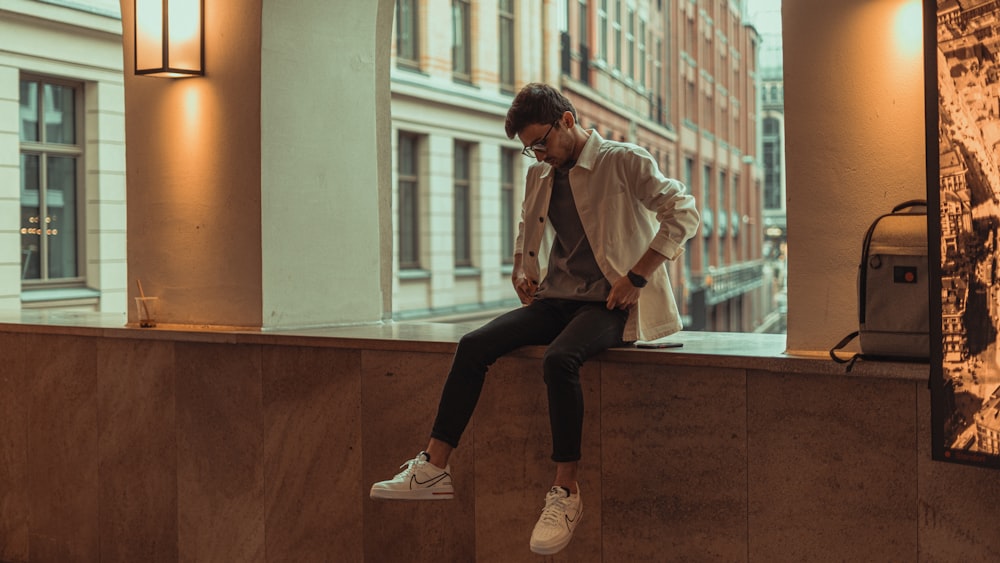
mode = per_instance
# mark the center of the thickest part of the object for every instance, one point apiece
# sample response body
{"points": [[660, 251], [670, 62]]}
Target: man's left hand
{"points": [[623, 294]]}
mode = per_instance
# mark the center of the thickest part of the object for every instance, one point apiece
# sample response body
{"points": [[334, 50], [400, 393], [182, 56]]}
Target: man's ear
{"points": [[568, 120]]}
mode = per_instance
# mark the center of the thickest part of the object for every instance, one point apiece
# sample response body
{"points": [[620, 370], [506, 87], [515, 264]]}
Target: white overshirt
{"points": [[626, 206]]}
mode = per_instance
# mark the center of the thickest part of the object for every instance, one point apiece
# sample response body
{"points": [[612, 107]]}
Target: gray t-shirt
{"points": [[573, 272]]}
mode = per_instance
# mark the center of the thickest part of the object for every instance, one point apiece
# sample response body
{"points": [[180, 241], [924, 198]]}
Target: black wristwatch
{"points": [[636, 279]]}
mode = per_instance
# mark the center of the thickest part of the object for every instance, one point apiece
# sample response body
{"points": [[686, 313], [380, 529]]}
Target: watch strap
{"points": [[636, 279]]}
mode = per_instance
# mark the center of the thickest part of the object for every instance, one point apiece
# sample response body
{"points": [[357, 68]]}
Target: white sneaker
{"points": [[418, 480], [559, 518]]}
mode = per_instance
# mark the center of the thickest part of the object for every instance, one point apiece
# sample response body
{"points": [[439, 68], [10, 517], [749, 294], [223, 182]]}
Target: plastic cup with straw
{"points": [[146, 307]]}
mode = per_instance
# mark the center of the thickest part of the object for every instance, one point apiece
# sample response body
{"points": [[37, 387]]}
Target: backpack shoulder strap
{"points": [[840, 345]]}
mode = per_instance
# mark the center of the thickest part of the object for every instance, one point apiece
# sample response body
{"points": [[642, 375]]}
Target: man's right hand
{"points": [[524, 287]]}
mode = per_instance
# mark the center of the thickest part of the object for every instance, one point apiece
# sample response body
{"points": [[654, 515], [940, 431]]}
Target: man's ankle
{"points": [[437, 454], [573, 488]]}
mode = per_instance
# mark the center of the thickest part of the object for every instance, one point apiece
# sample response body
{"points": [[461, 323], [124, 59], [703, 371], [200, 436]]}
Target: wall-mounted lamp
{"points": [[169, 38]]}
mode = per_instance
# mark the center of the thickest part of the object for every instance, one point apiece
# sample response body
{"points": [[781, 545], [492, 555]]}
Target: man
{"points": [[615, 220]]}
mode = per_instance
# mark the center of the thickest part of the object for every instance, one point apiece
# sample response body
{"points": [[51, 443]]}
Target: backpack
{"points": [[893, 297]]}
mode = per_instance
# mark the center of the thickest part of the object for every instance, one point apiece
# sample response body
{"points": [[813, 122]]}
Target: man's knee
{"points": [[559, 365]]}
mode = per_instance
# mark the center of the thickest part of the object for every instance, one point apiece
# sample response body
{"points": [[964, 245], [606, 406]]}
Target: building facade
{"points": [[766, 17], [678, 77], [62, 156], [457, 178]]}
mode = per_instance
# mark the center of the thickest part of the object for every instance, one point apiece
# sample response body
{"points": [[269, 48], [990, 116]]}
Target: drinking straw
{"points": [[142, 294]]}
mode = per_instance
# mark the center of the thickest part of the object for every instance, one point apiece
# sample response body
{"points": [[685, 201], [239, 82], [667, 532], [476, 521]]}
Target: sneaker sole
{"points": [[550, 549], [437, 493]]}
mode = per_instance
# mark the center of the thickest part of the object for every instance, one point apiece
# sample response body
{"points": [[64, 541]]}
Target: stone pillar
{"points": [[258, 195]]}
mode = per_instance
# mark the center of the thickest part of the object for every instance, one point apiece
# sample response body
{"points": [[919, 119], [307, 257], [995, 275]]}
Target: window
{"points": [[723, 127], [461, 46], [508, 158], [617, 25], [602, 31], [690, 32], [506, 45], [723, 216], [630, 45], [688, 179], [661, 113], [772, 145], [734, 209], [642, 53], [409, 209], [463, 205], [708, 222], [51, 157], [407, 34], [690, 94], [707, 122]]}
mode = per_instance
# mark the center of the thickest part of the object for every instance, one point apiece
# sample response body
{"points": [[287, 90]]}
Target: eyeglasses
{"points": [[539, 145]]}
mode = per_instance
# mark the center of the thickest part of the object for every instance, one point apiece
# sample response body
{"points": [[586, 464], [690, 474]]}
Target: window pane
{"points": [[29, 111], [409, 230], [60, 220], [507, 206], [30, 231], [463, 205], [60, 114], [408, 249], [407, 160], [461, 46], [463, 254], [506, 45], [406, 31], [461, 162]]}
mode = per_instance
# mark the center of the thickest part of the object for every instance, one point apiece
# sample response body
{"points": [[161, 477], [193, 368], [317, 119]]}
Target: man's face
{"points": [[550, 142]]}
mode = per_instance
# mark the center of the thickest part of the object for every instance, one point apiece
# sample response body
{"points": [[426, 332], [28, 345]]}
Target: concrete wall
{"points": [[259, 193], [854, 141]]}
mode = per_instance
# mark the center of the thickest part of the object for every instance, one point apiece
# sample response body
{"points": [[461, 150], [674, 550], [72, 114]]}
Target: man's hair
{"points": [[536, 103]]}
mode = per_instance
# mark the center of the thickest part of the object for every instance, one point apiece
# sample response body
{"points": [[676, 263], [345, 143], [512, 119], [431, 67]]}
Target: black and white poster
{"points": [[962, 47]]}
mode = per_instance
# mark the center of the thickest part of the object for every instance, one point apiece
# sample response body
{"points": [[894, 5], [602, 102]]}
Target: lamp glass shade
{"points": [[169, 38]]}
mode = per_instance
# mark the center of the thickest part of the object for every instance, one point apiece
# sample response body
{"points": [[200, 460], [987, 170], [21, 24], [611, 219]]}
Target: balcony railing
{"points": [[722, 284]]}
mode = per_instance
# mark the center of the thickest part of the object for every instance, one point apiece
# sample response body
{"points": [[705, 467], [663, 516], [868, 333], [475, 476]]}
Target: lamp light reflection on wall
{"points": [[169, 38]]}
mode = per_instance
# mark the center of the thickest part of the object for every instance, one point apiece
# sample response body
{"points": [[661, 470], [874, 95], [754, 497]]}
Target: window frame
{"points": [[44, 150], [461, 66], [462, 185], [506, 46], [408, 181], [411, 58], [508, 204]]}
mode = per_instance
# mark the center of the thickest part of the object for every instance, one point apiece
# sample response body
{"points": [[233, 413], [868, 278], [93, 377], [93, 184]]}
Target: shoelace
{"points": [[407, 468], [554, 510]]}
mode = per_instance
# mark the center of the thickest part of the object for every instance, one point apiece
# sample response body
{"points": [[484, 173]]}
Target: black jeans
{"points": [[574, 330]]}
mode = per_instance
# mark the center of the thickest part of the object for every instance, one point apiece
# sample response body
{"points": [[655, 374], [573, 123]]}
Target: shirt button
{"points": [[531, 253], [541, 219]]}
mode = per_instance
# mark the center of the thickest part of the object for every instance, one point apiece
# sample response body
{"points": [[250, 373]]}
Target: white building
{"points": [[62, 156]]}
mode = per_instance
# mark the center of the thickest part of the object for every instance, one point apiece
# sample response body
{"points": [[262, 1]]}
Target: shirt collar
{"points": [[590, 149], [587, 156]]}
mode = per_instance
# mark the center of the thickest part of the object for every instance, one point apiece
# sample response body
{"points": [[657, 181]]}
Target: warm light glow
{"points": [[148, 34], [908, 29], [169, 38]]}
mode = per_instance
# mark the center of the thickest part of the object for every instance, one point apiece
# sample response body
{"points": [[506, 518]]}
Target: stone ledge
{"points": [[762, 352]]}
